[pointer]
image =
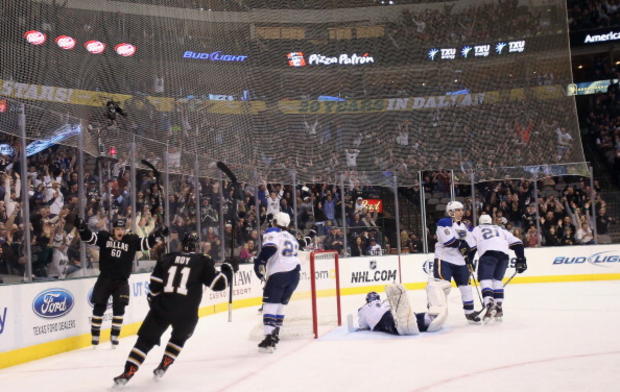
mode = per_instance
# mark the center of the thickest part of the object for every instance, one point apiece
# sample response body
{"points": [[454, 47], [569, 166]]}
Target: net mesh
{"points": [[312, 87], [298, 313]]}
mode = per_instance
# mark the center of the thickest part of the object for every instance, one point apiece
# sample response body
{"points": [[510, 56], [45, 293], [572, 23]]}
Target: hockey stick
{"points": [[233, 179], [471, 274], [509, 279]]}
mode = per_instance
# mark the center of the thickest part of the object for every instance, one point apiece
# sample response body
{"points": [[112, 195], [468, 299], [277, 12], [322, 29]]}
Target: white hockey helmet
{"points": [[281, 219], [454, 205], [485, 220]]}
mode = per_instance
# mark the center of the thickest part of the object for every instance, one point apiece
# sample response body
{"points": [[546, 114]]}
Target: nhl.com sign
{"points": [[298, 59]]}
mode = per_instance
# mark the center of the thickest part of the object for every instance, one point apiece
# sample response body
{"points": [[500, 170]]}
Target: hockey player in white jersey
{"points": [[453, 243], [395, 315], [492, 243], [279, 266]]}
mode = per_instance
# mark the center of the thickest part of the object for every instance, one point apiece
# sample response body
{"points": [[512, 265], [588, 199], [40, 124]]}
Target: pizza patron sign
{"points": [[298, 59]]}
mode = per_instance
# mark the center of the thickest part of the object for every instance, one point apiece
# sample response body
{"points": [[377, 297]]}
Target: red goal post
{"points": [[314, 256]]}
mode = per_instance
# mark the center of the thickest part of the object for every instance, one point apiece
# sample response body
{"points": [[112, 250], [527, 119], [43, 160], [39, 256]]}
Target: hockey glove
{"points": [[259, 270], [463, 248], [228, 271], [521, 265], [151, 299]]}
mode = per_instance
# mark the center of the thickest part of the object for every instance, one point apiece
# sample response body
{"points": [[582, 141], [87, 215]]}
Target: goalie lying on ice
{"points": [[395, 315]]}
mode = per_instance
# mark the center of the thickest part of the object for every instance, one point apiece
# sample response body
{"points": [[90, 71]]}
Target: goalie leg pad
{"points": [[437, 292], [404, 318]]}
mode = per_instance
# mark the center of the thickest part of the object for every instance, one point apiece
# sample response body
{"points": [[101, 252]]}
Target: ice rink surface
{"points": [[554, 337]]}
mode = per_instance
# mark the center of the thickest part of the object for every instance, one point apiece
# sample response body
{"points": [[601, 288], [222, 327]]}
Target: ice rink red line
{"points": [[509, 366], [255, 371]]}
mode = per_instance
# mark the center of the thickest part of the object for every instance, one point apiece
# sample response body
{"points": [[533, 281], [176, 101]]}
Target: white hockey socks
{"points": [[487, 290], [468, 299], [272, 318], [498, 291], [404, 318]]}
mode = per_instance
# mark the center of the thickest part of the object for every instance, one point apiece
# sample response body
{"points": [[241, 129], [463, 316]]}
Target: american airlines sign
{"points": [[596, 38]]}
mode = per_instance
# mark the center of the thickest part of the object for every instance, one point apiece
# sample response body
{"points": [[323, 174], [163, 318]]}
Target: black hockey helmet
{"points": [[119, 223], [190, 242], [372, 296]]}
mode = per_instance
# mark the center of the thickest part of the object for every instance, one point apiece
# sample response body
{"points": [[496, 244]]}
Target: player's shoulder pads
{"points": [[445, 222]]}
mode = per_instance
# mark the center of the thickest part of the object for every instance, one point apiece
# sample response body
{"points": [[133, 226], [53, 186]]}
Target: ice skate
{"points": [[163, 367], [268, 345], [121, 380], [499, 312], [489, 312], [473, 318]]}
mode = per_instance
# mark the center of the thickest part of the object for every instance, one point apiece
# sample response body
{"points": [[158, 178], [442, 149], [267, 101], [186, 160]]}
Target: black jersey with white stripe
{"points": [[116, 256], [177, 280]]}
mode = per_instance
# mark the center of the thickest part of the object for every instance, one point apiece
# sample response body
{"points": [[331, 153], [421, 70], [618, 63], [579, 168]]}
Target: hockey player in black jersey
{"points": [[116, 253], [174, 296]]}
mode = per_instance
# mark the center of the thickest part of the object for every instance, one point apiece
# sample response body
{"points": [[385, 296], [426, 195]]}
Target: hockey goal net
{"points": [[315, 306]]}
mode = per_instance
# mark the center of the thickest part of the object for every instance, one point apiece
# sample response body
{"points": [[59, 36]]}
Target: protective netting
{"points": [[371, 89]]}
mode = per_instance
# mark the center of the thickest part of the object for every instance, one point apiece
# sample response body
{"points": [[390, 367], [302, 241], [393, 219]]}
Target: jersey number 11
{"points": [[181, 288]]}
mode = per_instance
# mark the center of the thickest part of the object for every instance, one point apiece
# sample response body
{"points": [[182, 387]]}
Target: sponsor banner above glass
{"points": [[477, 51], [299, 59]]}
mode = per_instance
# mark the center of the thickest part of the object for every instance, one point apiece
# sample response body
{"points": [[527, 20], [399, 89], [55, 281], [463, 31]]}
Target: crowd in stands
{"points": [[564, 216], [593, 14]]}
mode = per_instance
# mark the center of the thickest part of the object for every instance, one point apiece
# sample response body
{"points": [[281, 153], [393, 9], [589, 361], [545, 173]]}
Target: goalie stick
{"points": [[233, 179]]}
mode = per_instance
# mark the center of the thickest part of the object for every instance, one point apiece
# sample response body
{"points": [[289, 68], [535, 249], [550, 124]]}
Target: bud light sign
{"points": [[214, 56], [52, 303]]}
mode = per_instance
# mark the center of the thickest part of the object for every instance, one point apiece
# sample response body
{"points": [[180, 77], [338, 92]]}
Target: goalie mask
{"points": [[372, 296]]}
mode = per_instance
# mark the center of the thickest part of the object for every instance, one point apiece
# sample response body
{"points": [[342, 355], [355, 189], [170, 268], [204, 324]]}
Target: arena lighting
{"points": [[65, 42], [124, 49], [94, 46], [35, 37]]}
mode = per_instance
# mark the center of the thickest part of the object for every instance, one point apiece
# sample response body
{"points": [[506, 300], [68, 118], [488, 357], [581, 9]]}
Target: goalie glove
{"points": [[521, 265]]}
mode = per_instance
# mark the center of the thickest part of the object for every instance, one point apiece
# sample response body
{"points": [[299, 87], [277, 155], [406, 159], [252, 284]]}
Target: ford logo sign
{"points": [[52, 303]]}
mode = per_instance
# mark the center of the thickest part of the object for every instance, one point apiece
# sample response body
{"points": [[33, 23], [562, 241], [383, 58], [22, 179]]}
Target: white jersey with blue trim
{"points": [[285, 258], [370, 314], [492, 237], [448, 232]]}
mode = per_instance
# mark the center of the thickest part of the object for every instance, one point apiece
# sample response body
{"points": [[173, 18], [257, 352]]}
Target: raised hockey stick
{"points": [[233, 179], [509, 279]]}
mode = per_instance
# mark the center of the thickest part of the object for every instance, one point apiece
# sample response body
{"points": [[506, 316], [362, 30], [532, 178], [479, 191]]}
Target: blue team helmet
{"points": [[372, 296]]}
